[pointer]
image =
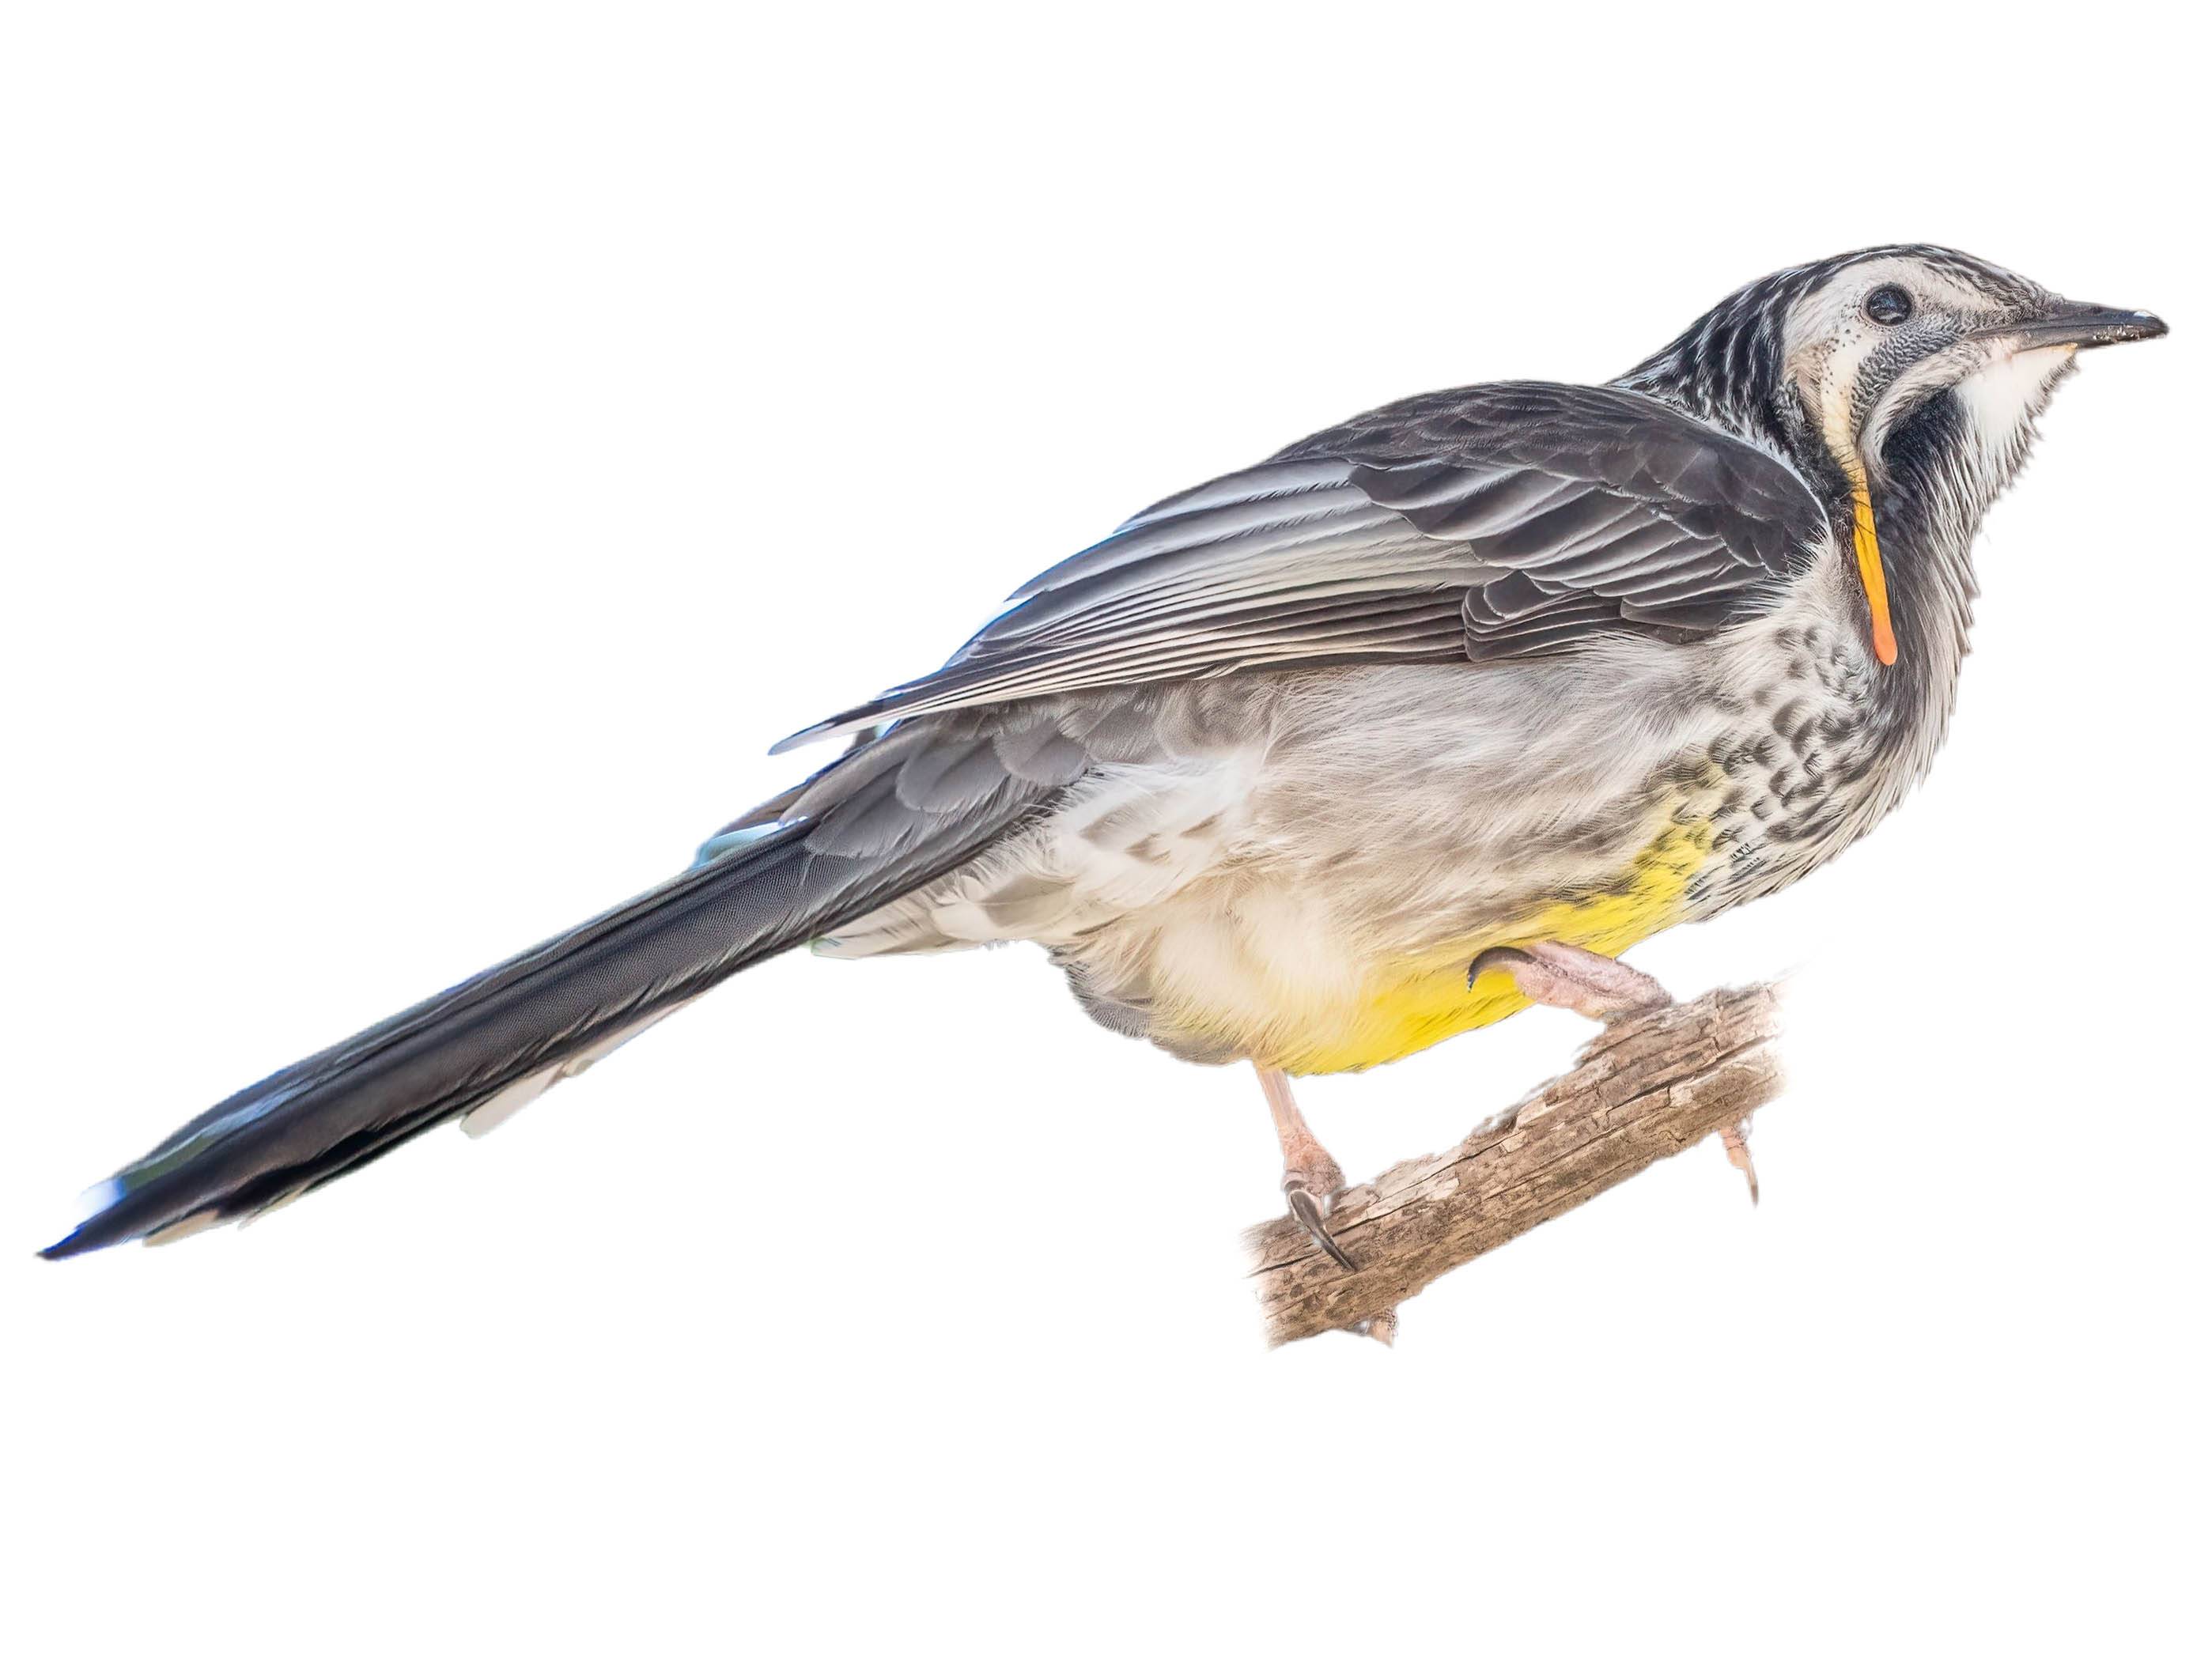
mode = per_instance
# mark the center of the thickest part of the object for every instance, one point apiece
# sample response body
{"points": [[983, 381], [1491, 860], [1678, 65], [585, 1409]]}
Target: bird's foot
{"points": [[1735, 1138], [1311, 1180], [1598, 987], [1564, 976]]}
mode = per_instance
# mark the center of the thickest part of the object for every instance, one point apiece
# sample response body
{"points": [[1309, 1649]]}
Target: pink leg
{"points": [[1311, 1178], [1598, 987], [1736, 1139], [1564, 976]]}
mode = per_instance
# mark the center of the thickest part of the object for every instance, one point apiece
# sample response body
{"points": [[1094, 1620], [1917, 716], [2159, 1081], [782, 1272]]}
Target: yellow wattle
{"points": [[1868, 549]]}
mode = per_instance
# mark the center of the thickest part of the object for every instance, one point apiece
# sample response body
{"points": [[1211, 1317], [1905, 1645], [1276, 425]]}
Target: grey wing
{"points": [[1492, 522]]}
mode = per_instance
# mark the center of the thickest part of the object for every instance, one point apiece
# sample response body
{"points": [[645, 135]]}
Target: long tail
{"points": [[854, 839]]}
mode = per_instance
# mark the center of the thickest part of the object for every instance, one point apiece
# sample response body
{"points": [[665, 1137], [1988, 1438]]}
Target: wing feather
{"points": [[1487, 523]]}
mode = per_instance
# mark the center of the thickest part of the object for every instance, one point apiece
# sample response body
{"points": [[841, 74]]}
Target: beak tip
{"points": [[2068, 323]]}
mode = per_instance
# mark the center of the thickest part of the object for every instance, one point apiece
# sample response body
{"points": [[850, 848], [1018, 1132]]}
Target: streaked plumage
{"points": [[1269, 767]]}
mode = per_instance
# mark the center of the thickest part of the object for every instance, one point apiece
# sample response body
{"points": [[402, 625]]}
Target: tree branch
{"points": [[1644, 1089]]}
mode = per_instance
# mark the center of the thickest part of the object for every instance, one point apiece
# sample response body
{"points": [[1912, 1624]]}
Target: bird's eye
{"points": [[1888, 305]]}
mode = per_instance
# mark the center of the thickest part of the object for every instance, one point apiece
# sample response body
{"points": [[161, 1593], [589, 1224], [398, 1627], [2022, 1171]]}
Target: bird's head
{"points": [[1911, 360]]}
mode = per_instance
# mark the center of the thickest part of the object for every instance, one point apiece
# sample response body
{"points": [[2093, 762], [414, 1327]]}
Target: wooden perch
{"points": [[1646, 1088]]}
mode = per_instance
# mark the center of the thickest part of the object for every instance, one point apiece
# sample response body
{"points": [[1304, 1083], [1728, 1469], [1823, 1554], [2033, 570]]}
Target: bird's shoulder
{"points": [[1615, 438]]}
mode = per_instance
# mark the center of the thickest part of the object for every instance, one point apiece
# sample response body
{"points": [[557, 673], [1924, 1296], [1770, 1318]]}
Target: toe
{"points": [[1735, 1140]]}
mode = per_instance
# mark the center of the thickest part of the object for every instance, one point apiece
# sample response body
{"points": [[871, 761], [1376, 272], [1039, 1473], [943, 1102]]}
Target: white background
{"points": [[443, 446]]}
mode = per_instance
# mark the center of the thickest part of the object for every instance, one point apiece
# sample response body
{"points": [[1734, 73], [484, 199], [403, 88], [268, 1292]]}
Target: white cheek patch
{"points": [[2002, 398]]}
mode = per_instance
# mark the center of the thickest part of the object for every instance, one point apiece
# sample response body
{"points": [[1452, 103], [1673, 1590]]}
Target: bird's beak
{"points": [[2069, 322]]}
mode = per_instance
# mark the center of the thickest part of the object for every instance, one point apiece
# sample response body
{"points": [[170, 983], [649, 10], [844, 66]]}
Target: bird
{"points": [[1421, 721]]}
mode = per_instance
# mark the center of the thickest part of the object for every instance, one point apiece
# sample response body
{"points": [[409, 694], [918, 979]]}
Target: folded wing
{"points": [[1493, 522]]}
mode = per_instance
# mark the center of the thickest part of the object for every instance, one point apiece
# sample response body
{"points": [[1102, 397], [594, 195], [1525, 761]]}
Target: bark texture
{"points": [[1644, 1089]]}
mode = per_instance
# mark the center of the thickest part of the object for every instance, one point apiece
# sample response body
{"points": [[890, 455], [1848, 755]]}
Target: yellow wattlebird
{"points": [[1429, 717]]}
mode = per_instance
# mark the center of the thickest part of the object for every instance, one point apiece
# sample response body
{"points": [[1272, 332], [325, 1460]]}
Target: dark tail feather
{"points": [[553, 1007]]}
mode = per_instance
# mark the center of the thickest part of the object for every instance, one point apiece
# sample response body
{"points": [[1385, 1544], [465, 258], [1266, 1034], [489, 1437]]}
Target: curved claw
{"points": [[1498, 956], [1307, 1210]]}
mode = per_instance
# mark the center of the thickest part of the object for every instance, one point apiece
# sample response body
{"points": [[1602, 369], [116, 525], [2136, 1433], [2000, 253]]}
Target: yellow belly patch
{"points": [[1410, 1007]]}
